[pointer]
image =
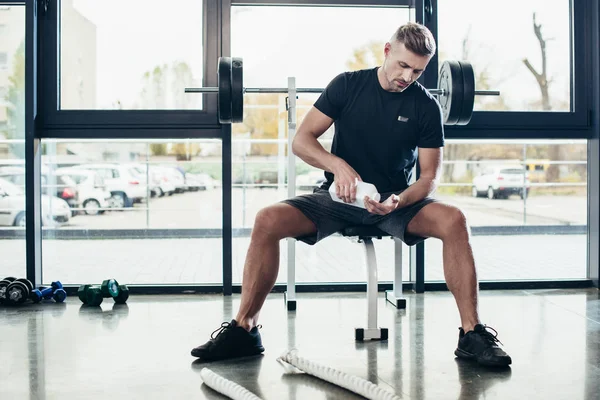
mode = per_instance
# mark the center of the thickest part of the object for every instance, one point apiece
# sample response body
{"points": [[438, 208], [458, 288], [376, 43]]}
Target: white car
{"points": [[125, 184], [160, 183], [94, 198], [500, 182], [174, 175], [197, 182], [55, 211]]}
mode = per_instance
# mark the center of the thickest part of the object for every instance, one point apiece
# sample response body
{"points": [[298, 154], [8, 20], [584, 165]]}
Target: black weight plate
{"points": [[237, 89], [451, 81], [16, 293], [3, 285], [27, 282], [224, 80], [468, 93]]}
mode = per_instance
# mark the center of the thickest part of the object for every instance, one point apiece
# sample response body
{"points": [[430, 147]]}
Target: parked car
{"points": [[55, 211], [500, 182], [59, 186], [160, 183], [93, 194], [197, 182], [173, 175], [124, 183]]}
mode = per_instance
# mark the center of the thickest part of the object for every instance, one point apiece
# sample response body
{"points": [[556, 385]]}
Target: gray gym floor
{"points": [[142, 350]]}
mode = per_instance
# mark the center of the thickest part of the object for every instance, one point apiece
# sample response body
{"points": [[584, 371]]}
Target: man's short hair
{"points": [[416, 38]]}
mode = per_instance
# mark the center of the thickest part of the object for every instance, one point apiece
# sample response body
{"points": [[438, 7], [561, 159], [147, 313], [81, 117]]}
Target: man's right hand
{"points": [[345, 179]]}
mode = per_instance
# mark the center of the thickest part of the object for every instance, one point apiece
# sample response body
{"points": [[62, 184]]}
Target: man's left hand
{"points": [[389, 205]]}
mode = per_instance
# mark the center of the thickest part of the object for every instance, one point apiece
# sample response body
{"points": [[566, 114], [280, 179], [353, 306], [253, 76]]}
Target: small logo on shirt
{"points": [[402, 119]]}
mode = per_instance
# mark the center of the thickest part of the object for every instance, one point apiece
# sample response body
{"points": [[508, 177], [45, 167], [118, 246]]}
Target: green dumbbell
{"points": [[82, 293], [94, 295], [123, 295], [90, 295], [110, 288]]}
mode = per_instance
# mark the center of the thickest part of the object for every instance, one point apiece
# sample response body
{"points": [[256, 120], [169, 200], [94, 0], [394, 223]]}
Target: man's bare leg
{"points": [[261, 268], [449, 224]]}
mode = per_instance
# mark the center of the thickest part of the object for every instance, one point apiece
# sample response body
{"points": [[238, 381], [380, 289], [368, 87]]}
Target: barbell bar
{"points": [[317, 90], [456, 91]]}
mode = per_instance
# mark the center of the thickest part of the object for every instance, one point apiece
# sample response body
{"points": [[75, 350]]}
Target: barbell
{"points": [[456, 91]]}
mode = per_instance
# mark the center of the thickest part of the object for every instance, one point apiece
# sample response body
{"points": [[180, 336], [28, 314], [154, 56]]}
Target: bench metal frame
{"points": [[364, 235]]}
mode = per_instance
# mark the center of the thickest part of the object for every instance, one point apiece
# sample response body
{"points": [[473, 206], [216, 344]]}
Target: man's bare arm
{"points": [[306, 146], [430, 162]]}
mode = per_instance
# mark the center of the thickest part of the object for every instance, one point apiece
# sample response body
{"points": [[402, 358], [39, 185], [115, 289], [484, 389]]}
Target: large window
{"points": [[126, 193], [277, 42], [338, 39], [524, 50], [130, 54], [12, 140], [144, 212], [526, 203]]}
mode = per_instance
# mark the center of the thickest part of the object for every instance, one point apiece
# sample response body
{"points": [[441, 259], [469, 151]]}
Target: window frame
{"points": [[130, 124], [326, 3], [484, 125], [574, 124]]}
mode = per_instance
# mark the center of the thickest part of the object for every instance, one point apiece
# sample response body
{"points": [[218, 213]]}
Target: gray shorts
{"points": [[331, 216]]}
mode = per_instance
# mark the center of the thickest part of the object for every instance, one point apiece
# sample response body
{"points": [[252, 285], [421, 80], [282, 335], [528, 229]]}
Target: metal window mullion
{"points": [[593, 192], [33, 148], [428, 79]]}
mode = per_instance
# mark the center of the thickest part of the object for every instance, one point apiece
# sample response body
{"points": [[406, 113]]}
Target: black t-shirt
{"points": [[378, 132]]}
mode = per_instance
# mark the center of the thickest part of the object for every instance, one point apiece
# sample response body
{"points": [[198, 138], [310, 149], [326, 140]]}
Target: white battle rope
{"points": [[353, 383], [225, 386]]}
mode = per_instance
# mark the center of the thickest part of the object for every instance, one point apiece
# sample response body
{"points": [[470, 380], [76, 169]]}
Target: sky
{"points": [[504, 37], [314, 44]]}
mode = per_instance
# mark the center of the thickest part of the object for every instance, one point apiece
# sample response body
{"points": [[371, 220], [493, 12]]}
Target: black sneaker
{"points": [[232, 341], [481, 345]]}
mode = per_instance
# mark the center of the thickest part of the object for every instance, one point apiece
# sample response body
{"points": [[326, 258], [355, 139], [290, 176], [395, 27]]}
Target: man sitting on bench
{"points": [[382, 116]]}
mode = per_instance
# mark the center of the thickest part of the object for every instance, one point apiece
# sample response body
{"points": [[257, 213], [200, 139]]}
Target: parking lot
{"points": [[203, 209], [199, 260], [172, 259], [139, 196]]}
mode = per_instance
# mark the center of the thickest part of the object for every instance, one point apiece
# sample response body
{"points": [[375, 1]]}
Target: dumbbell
{"points": [[17, 291], [94, 295], [55, 291], [6, 282], [3, 285], [123, 295]]}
